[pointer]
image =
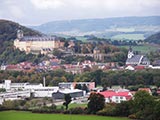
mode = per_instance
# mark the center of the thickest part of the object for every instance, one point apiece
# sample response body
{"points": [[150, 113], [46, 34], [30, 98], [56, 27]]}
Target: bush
{"points": [[124, 108], [77, 110], [109, 110], [132, 116], [66, 112], [46, 110]]}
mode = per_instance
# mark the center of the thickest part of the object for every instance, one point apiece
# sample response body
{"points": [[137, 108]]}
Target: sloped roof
{"points": [[135, 58], [37, 38], [108, 94], [145, 89], [145, 59]]}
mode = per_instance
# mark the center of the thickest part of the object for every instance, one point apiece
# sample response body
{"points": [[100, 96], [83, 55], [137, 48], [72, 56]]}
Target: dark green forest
{"points": [[155, 38], [104, 78]]}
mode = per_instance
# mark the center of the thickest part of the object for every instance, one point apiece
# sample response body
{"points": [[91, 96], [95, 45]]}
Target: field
{"points": [[20, 115], [146, 48], [128, 36], [73, 105]]}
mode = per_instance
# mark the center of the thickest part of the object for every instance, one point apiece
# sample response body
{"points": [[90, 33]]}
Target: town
{"points": [[48, 92], [79, 60]]}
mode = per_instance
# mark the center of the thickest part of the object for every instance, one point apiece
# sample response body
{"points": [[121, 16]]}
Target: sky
{"points": [[36, 12]]}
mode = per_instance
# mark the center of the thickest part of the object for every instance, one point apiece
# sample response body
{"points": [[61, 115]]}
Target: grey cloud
{"points": [[31, 12]]}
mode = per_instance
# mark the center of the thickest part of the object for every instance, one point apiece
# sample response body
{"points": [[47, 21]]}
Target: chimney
{"points": [[44, 82]]}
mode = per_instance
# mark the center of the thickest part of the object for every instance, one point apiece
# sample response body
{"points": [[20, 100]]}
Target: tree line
{"points": [[123, 78]]}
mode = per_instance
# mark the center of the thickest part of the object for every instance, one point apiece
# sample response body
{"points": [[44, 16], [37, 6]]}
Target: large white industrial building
{"points": [[25, 90]]}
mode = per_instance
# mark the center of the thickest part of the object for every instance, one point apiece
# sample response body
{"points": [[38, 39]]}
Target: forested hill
{"points": [[8, 30], [8, 54], [155, 38]]}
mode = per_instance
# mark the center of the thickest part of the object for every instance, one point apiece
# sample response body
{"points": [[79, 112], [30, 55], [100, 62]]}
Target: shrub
{"points": [[77, 110], [109, 110], [132, 116]]}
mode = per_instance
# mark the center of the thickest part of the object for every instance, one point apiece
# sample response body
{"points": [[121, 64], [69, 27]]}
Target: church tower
{"points": [[19, 34], [130, 53]]}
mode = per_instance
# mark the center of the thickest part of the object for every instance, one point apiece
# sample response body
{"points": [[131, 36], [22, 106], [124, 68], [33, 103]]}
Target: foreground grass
{"points": [[21, 115]]}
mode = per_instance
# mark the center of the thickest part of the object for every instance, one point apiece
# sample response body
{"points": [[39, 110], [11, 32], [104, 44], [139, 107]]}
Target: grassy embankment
{"points": [[20, 115]]}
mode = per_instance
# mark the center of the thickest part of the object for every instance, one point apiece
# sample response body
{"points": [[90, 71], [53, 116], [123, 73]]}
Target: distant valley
{"points": [[120, 28]]}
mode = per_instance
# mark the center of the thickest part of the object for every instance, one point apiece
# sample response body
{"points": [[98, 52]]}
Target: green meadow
{"points": [[128, 36], [21, 115], [73, 105], [146, 48]]}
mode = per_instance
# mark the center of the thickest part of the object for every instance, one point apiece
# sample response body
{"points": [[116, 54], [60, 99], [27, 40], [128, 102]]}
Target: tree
{"points": [[96, 102], [67, 99], [2, 90], [157, 111], [66, 44], [85, 88], [78, 86], [143, 105]]}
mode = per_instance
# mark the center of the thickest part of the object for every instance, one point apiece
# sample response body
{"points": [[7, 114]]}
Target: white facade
{"points": [[16, 95], [32, 86], [45, 91], [118, 99], [7, 84], [37, 89]]}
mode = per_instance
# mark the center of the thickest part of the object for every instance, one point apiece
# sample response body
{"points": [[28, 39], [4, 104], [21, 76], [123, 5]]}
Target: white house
{"points": [[115, 96]]}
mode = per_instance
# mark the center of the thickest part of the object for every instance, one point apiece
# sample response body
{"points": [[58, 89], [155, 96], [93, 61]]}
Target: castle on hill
{"points": [[36, 44]]}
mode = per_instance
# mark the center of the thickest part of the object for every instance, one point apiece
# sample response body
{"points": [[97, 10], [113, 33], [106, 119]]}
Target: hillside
{"points": [[106, 27], [155, 38], [8, 54], [8, 30]]}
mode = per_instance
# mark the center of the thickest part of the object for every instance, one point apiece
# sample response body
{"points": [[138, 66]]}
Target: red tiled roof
{"points": [[139, 67], [158, 91], [145, 89], [108, 94]]}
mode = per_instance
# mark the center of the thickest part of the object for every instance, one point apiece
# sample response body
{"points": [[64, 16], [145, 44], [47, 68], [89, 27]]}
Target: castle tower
{"points": [[19, 34], [130, 52], [97, 54], [96, 50]]}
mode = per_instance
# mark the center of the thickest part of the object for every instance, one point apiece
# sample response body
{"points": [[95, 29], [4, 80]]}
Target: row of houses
{"points": [[54, 64]]}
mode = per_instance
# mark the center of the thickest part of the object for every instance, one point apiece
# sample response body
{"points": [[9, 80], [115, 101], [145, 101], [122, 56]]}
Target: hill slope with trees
{"points": [[8, 54], [155, 38]]}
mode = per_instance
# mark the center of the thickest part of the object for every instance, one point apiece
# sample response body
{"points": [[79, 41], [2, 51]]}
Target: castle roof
{"points": [[37, 38]]}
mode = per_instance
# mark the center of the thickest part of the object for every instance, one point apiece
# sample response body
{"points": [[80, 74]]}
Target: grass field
{"points": [[73, 105], [20, 115], [128, 36], [143, 48]]}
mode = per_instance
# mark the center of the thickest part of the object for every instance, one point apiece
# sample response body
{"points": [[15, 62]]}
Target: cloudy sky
{"points": [[34, 12]]}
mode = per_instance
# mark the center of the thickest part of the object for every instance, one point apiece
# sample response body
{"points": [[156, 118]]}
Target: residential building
{"points": [[145, 89], [116, 96]]}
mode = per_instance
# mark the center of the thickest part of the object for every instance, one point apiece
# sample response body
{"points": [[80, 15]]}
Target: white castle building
{"points": [[36, 44]]}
